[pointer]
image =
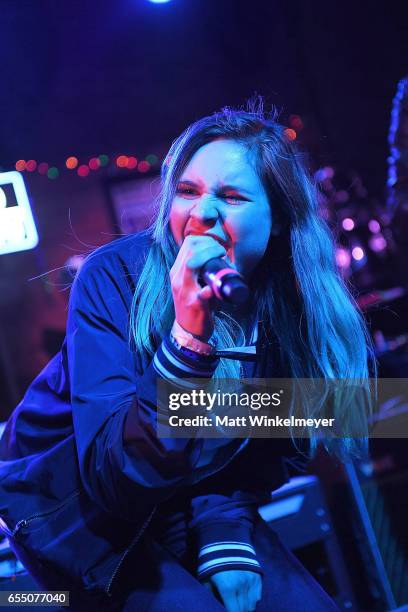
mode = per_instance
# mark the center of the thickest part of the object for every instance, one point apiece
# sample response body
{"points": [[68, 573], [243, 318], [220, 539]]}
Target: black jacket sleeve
{"points": [[123, 469]]}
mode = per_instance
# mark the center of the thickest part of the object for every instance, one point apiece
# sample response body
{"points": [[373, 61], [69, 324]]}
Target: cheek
{"points": [[252, 231], [178, 220], [251, 235]]}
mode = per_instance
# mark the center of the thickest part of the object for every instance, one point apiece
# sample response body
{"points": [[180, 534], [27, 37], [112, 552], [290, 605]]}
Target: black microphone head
{"points": [[235, 290], [227, 284]]}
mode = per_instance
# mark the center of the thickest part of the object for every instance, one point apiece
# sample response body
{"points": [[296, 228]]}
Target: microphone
{"points": [[227, 284]]}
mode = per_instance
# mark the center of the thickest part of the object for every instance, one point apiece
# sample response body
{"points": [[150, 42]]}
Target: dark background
{"points": [[85, 78]]}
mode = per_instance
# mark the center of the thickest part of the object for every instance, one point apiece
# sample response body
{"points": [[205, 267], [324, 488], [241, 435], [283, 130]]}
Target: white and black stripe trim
{"points": [[217, 556], [170, 363], [180, 364], [210, 548]]}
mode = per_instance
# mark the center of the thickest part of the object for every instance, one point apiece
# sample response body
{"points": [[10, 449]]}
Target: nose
{"points": [[205, 209]]}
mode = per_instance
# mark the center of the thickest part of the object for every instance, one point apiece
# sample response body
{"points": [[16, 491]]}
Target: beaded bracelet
{"points": [[185, 339]]}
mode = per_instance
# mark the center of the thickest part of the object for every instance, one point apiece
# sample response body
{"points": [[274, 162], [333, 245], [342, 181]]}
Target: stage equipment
{"points": [[17, 227], [370, 548], [299, 514], [398, 140], [369, 571], [383, 481], [17, 233]]}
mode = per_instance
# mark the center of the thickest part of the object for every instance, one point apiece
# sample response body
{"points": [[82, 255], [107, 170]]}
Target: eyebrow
{"points": [[219, 188]]}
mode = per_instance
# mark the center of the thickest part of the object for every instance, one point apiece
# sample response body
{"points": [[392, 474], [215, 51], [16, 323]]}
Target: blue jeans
{"points": [[158, 576], [163, 581]]}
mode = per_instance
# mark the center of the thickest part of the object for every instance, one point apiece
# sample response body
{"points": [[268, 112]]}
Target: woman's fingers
{"points": [[196, 251], [231, 600], [239, 590], [203, 253], [206, 293], [192, 256], [254, 593], [191, 300]]}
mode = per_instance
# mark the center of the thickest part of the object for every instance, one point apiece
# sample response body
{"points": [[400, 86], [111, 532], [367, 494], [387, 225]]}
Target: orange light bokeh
{"points": [[122, 161], [71, 163], [290, 134]]}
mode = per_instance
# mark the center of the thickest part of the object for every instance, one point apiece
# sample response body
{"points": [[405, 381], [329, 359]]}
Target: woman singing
{"points": [[93, 501]]}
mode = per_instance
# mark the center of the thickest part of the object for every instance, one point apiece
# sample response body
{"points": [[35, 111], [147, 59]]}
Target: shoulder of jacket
{"points": [[126, 253], [125, 247]]}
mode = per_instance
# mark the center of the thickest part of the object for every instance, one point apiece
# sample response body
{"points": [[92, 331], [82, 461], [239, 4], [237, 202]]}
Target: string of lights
{"points": [[73, 164], [124, 162]]}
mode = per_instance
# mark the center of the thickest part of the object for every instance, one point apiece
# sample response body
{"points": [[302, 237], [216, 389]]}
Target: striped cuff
{"points": [[225, 545], [221, 556], [170, 362]]}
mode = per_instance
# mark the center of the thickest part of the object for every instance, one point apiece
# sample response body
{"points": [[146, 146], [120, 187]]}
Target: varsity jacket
{"points": [[82, 471]]}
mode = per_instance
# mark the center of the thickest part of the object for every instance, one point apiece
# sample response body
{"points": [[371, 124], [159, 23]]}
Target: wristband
{"points": [[186, 340]]}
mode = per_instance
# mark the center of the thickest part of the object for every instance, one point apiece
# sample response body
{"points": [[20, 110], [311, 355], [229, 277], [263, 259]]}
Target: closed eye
{"points": [[234, 198], [186, 191], [190, 191]]}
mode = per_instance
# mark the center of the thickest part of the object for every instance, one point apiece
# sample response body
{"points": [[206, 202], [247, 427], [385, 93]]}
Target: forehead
{"points": [[222, 162]]}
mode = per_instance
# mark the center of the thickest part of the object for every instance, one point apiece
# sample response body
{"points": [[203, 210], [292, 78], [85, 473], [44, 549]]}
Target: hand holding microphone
{"points": [[200, 259]]}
